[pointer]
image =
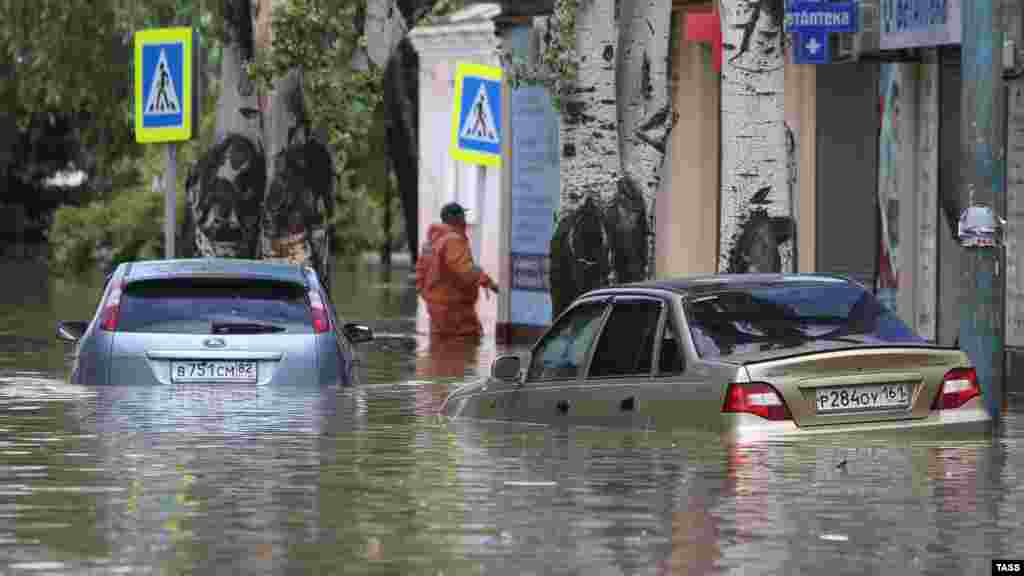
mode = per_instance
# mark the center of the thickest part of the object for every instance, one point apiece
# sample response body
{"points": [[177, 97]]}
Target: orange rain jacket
{"points": [[449, 282]]}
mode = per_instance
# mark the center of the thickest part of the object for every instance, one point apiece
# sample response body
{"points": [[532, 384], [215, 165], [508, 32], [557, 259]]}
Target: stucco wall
{"points": [[686, 229]]}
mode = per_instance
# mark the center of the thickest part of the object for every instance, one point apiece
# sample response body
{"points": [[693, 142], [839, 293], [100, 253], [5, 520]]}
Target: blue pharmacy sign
{"points": [[811, 22]]}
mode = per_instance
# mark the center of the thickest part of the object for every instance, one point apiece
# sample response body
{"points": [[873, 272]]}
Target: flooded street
{"points": [[236, 480]]}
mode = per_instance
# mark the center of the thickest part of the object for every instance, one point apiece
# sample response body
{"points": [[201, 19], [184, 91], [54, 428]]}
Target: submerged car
{"points": [[217, 321], [743, 355]]}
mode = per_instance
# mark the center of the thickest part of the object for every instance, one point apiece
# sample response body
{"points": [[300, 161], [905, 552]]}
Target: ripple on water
{"points": [[33, 566]]}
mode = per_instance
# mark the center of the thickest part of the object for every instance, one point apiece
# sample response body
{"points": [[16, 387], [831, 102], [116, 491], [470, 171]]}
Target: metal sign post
{"points": [[170, 200], [165, 104]]}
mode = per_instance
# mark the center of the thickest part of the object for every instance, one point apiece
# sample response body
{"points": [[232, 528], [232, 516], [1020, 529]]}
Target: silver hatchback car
{"points": [[216, 321]]}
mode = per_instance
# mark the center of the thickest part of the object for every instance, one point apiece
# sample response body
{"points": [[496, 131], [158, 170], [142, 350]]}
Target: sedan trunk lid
{"points": [[845, 385]]}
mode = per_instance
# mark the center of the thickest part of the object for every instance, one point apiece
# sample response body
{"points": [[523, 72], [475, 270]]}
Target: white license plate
{"points": [[856, 398], [214, 371]]}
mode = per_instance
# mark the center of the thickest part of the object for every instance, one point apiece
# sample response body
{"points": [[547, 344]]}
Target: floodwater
{"points": [[132, 480]]}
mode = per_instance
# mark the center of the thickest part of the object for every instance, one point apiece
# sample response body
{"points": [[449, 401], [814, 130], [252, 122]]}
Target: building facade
{"points": [[851, 167]]}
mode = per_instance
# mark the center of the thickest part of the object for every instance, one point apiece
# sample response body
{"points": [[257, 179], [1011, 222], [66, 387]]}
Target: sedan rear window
{"points": [[766, 317], [207, 306]]}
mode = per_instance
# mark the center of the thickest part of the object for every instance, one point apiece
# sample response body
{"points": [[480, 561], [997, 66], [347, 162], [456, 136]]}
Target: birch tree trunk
{"points": [[265, 189], [645, 120], [299, 195], [590, 151], [224, 190], [614, 133], [756, 213], [590, 168]]}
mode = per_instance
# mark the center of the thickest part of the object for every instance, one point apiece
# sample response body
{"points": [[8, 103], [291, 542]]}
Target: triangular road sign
{"points": [[163, 96], [478, 124]]}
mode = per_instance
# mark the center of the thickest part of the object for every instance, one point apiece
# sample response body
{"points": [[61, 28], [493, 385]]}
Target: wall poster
{"points": [[535, 193]]}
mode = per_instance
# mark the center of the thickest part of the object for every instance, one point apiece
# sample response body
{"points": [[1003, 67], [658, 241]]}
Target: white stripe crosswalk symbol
{"points": [[163, 97]]}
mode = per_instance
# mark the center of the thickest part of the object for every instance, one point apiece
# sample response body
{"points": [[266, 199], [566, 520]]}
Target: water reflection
{"points": [[279, 480], [446, 358], [695, 537]]}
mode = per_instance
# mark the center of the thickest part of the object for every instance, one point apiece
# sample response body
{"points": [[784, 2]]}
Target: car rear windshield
{"points": [[207, 306], [767, 317]]}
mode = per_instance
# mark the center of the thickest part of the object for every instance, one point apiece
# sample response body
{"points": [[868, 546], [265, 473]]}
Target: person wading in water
{"points": [[447, 278]]}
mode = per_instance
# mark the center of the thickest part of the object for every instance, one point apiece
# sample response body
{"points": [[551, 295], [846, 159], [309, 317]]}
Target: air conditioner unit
{"points": [[851, 47]]}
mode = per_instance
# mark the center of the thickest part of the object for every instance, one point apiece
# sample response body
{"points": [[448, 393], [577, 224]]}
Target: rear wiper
{"points": [[244, 328]]}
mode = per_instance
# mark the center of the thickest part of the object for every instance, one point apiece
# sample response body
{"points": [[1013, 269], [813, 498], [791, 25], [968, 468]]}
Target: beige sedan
{"points": [[751, 356]]}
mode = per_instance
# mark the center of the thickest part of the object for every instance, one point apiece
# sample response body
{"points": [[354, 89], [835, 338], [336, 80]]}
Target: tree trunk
{"points": [[385, 246], [240, 204], [757, 229], [580, 258], [401, 96], [224, 190], [645, 120], [385, 27], [614, 132]]}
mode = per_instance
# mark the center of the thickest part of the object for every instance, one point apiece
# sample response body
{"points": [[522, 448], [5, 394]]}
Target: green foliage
{"points": [[72, 57], [128, 224], [321, 38], [76, 57]]}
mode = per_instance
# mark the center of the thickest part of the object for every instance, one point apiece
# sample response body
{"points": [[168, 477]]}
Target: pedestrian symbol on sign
{"points": [[479, 124], [163, 98], [163, 103]]}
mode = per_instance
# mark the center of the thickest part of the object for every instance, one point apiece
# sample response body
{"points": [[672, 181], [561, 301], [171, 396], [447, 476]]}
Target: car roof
{"points": [[709, 283], [217, 267]]}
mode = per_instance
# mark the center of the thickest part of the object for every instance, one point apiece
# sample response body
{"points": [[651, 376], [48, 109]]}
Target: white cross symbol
{"points": [[813, 46]]}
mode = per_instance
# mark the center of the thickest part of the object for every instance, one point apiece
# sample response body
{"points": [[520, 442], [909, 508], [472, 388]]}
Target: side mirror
{"points": [[357, 333], [506, 368], [71, 331]]}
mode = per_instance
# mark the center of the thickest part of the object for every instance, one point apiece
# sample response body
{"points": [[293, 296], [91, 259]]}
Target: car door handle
{"points": [[628, 405], [562, 406]]}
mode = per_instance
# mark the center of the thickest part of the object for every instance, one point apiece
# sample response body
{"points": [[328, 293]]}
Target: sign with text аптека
{"points": [[477, 134], [164, 85], [811, 22]]}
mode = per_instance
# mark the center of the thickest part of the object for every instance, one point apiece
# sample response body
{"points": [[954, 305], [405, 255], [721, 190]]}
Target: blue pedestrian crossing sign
{"points": [[163, 85], [477, 132]]}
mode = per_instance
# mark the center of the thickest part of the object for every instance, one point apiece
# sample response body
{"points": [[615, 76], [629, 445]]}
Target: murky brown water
{"points": [[147, 480]]}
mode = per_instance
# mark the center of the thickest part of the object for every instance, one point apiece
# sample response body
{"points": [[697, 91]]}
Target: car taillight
{"points": [[112, 308], [321, 320], [756, 398], [958, 386]]}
